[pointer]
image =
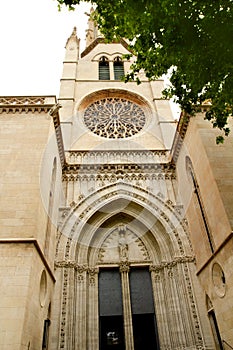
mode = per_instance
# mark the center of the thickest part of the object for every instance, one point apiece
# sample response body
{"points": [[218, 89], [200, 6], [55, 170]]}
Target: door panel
{"points": [[141, 291], [144, 332], [110, 295]]}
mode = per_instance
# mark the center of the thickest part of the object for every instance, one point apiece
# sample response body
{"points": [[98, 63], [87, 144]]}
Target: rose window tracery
{"points": [[114, 118]]}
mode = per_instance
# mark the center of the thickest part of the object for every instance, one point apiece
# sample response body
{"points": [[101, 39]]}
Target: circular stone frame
{"points": [[115, 113], [219, 280], [114, 118]]}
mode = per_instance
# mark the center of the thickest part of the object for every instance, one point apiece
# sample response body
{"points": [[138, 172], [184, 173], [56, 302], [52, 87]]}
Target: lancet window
{"points": [[104, 72]]}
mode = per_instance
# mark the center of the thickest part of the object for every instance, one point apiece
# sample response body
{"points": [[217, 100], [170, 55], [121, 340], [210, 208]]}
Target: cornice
{"points": [[26, 104], [117, 168], [110, 156], [35, 243], [182, 127], [180, 135], [54, 113]]}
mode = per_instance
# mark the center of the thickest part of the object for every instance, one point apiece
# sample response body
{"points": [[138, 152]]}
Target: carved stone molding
{"points": [[22, 100], [26, 104], [64, 263], [124, 266], [100, 157], [63, 309], [71, 264], [114, 176], [81, 268], [144, 199], [92, 272], [170, 264], [163, 169]]}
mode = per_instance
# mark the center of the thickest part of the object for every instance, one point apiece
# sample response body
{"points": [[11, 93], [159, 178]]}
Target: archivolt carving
{"points": [[152, 201], [63, 309]]}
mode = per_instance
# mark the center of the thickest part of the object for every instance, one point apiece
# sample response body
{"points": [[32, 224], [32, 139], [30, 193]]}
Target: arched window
{"points": [[50, 208], [214, 324], [46, 330], [104, 73], [118, 68], [192, 177]]}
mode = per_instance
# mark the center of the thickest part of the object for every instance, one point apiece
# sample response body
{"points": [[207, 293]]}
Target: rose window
{"points": [[114, 118]]}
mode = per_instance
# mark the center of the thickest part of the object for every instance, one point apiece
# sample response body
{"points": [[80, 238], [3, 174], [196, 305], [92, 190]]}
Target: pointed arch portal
{"points": [[127, 254]]}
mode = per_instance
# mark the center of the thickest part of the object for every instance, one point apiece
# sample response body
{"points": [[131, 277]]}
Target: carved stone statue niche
{"points": [[122, 243]]}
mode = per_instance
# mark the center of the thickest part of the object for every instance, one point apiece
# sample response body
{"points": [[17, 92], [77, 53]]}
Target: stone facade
{"points": [[105, 181]]}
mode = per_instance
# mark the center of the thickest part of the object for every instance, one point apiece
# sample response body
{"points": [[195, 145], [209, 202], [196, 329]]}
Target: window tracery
{"points": [[114, 118]]}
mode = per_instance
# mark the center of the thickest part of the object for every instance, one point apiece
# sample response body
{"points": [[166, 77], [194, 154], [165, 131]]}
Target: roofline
{"points": [[103, 40]]}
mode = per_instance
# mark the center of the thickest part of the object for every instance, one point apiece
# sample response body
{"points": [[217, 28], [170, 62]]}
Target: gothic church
{"points": [[116, 220]]}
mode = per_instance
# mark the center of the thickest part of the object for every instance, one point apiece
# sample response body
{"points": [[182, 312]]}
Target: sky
{"points": [[33, 35]]}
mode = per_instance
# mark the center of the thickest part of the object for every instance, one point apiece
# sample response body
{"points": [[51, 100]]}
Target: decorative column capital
{"points": [[93, 271], [81, 268], [124, 266], [155, 268]]}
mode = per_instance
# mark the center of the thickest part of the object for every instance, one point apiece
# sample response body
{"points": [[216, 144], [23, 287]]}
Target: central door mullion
{"points": [[128, 325]]}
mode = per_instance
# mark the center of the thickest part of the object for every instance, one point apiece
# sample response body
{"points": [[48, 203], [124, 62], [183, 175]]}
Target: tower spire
{"points": [[92, 31], [72, 43]]}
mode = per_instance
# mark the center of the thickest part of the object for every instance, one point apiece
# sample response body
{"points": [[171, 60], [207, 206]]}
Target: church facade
{"points": [[116, 220]]}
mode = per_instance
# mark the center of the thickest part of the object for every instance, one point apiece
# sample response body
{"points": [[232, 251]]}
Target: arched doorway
{"points": [[118, 237]]}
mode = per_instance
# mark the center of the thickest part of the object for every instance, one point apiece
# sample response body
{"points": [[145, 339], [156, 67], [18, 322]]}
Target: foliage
{"points": [[190, 39]]}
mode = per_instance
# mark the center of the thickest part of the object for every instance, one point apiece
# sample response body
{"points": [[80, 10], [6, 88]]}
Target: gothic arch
{"points": [[161, 245], [103, 93], [152, 212]]}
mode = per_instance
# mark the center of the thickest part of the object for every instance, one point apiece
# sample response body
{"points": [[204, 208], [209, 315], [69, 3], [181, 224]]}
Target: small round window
{"points": [[219, 280]]}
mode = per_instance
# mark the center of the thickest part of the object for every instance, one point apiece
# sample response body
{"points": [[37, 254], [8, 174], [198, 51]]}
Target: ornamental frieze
{"points": [[132, 156], [117, 168], [111, 177], [169, 264], [25, 104], [22, 100]]}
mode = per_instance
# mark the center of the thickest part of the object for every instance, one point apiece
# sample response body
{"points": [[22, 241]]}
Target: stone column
{"points": [[81, 308], [177, 334], [160, 302], [128, 325], [93, 312], [111, 70]]}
